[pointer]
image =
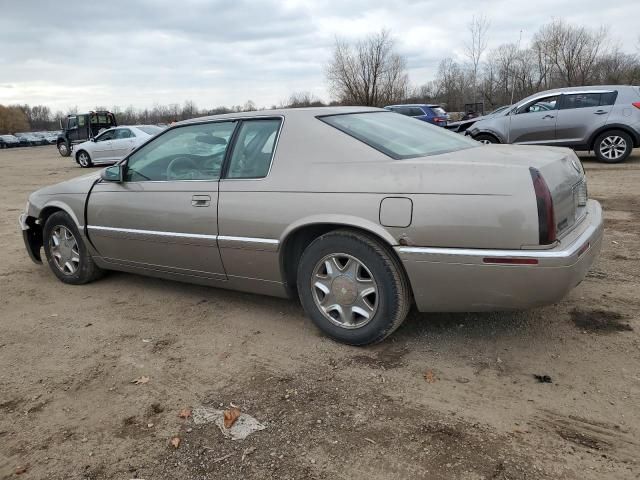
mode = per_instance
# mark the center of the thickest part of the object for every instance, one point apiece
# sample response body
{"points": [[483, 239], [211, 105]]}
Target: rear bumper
{"points": [[459, 280]]}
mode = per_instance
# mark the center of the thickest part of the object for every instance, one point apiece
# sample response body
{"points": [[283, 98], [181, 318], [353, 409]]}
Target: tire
{"points": [[613, 146], [61, 260], [360, 263], [486, 138], [64, 149], [83, 159]]}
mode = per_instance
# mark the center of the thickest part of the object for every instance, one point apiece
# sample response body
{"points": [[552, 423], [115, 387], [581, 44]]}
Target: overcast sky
{"points": [[225, 52]]}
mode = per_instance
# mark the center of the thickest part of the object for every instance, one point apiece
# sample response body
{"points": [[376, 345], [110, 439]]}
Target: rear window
{"points": [[438, 111], [397, 136], [102, 119], [415, 111], [150, 129]]}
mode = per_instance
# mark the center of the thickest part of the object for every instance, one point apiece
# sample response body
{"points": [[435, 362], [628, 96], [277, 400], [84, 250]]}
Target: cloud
{"points": [[224, 53]]}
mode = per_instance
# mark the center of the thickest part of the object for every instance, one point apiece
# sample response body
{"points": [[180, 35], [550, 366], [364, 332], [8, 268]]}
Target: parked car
{"points": [[79, 128], [9, 141], [29, 140], [358, 211], [40, 138], [113, 145], [603, 119], [434, 114]]}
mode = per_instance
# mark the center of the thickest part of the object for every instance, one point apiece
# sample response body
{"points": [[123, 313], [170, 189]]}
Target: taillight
{"points": [[546, 217], [439, 119], [636, 104]]}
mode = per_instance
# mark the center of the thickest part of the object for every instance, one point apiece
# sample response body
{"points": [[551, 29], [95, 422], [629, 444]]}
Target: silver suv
{"points": [[605, 119]]}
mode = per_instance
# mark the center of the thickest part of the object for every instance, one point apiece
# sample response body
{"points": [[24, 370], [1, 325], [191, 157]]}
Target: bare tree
{"points": [[13, 119], [572, 51], [478, 29], [302, 99], [369, 72]]}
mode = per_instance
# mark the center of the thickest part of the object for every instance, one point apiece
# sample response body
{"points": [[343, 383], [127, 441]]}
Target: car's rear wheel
{"points": [[64, 149], [84, 160], [352, 287], [486, 139], [613, 146], [66, 252]]}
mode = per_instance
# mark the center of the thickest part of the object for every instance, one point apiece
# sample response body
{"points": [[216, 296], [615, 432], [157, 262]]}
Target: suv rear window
{"points": [[397, 136], [439, 111]]}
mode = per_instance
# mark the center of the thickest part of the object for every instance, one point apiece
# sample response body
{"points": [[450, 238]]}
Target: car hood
{"points": [[78, 185], [472, 120], [80, 146]]}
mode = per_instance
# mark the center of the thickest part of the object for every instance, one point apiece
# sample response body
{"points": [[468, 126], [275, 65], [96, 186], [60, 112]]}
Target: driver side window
{"points": [[108, 135], [541, 105], [190, 152]]}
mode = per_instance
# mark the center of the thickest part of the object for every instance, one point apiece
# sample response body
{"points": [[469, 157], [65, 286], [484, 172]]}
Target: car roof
{"points": [[416, 105], [306, 112], [585, 88]]}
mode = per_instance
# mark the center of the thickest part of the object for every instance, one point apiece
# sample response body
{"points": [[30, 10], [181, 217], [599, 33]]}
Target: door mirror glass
{"points": [[112, 174]]}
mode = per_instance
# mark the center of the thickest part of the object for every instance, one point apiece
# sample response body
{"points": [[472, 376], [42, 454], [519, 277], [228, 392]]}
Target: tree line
{"points": [[24, 118], [372, 72]]}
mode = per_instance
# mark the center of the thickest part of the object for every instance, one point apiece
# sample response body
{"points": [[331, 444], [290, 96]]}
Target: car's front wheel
{"points": [[66, 252], [613, 146], [84, 160], [352, 287], [486, 139]]}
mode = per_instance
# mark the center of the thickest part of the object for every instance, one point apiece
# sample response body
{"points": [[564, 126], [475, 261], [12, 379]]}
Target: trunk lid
{"points": [[564, 175]]}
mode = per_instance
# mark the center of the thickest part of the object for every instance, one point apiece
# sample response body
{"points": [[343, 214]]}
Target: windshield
{"points": [[499, 109], [398, 136], [150, 129]]}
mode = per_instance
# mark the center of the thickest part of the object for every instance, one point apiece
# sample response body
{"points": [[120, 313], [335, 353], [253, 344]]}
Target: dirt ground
{"points": [[448, 396]]}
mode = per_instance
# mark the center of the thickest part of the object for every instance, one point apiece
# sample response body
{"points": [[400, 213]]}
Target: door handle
{"points": [[200, 201], [600, 112], [548, 116]]}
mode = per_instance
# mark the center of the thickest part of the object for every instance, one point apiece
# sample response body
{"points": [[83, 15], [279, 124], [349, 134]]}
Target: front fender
{"points": [[474, 131], [76, 212]]}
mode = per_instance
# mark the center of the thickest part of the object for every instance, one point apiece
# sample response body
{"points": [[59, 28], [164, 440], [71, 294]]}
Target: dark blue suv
{"points": [[434, 114]]}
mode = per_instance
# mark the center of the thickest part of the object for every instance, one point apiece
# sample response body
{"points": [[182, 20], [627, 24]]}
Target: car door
{"points": [[534, 122], [581, 114], [123, 142], [103, 145], [247, 246], [164, 214]]}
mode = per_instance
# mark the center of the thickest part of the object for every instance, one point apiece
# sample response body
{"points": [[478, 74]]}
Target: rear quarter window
{"points": [[397, 136], [608, 98]]}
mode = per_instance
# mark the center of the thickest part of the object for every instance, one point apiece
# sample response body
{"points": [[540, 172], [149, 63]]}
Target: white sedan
{"points": [[112, 145]]}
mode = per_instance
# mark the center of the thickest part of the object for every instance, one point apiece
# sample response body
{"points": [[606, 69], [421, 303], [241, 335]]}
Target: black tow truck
{"points": [[78, 128]]}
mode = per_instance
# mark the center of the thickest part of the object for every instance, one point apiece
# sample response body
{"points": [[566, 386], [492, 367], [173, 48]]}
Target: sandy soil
{"points": [[68, 409]]}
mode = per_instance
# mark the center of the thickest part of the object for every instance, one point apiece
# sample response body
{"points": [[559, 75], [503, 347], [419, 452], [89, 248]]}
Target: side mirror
{"points": [[114, 173], [93, 139]]}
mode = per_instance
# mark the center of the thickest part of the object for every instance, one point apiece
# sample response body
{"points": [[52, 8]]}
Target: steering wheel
{"points": [[183, 168]]}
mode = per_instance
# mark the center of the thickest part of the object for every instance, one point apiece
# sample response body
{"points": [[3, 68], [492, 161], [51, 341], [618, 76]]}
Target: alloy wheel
{"points": [[613, 147], [62, 148], [83, 159], [344, 290], [64, 250]]}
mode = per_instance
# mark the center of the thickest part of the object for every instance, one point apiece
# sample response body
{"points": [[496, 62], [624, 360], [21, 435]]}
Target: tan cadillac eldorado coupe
{"points": [[359, 212]]}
